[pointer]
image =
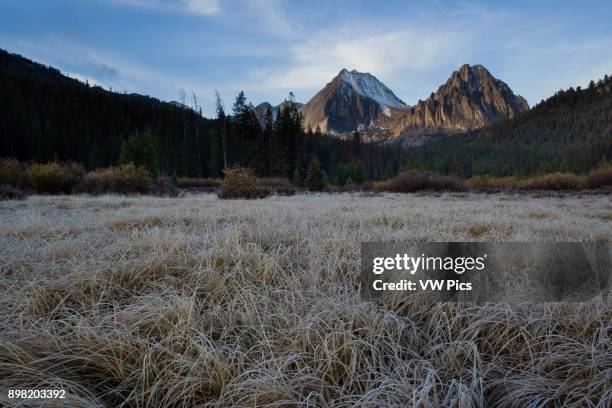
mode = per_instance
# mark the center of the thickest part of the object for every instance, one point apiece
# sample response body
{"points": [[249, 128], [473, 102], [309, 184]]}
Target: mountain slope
{"points": [[45, 116], [352, 101], [471, 98]]}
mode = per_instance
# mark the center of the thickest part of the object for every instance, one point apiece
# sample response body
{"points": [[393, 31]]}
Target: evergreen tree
{"points": [[297, 177], [141, 150], [315, 179], [358, 175]]}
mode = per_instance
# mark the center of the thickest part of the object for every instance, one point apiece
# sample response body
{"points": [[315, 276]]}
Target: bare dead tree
{"points": [[197, 109], [221, 115], [182, 100]]}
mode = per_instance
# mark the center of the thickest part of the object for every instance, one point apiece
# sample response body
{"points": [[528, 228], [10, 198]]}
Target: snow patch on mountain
{"points": [[368, 85]]}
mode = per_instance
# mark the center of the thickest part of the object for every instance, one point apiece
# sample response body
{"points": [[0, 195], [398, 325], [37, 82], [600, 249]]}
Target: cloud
{"points": [[195, 7], [202, 7], [394, 56], [104, 70], [411, 55]]}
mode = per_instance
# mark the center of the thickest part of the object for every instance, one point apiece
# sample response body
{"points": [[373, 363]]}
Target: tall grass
{"points": [[196, 301]]}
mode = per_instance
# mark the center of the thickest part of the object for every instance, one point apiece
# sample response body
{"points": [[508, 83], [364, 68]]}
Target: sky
{"points": [[268, 48]]}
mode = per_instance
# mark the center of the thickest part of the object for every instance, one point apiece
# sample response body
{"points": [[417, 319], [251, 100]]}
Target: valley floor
{"points": [[195, 301]]}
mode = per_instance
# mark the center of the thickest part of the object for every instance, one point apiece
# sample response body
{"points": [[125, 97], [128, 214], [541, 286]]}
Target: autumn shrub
{"points": [[54, 178], [553, 181], [125, 179], [492, 183], [411, 181], [11, 172], [240, 182], [279, 185], [600, 177]]}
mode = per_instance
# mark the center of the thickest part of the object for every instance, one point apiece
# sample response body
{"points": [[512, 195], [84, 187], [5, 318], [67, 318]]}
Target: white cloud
{"points": [[395, 56], [202, 7], [196, 7]]}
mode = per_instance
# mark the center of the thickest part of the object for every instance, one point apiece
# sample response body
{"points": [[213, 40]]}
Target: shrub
{"points": [[124, 180], [11, 193], [279, 185], [411, 181], [198, 183], [11, 172], [554, 181], [239, 182], [164, 187], [380, 185], [54, 178], [492, 183], [600, 177]]}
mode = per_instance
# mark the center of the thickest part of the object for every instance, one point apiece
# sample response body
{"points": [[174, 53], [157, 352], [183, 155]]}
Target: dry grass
{"points": [[201, 302]]}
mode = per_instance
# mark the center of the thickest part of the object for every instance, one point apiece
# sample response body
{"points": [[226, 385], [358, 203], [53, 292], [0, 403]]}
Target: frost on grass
{"points": [[194, 301]]}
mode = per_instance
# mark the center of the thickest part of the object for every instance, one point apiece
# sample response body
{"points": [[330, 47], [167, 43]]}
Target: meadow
{"points": [[134, 301]]}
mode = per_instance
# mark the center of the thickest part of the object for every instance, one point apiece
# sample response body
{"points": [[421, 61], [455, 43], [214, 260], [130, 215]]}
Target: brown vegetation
{"points": [[411, 181], [125, 179], [54, 178], [198, 183], [279, 185], [595, 179], [240, 182], [600, 177], [11, 172]]}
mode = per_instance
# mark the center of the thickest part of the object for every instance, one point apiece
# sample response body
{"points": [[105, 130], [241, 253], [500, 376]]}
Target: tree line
{"points": [[50, 117], [46, 116]]}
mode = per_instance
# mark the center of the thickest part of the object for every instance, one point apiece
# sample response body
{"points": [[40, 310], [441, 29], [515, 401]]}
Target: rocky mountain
{"points": [[353, 101], [471, 98]]}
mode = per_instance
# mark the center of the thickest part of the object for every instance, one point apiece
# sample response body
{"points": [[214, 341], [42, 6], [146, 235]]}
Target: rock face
{"points": [[352, 101], [471, 98]]}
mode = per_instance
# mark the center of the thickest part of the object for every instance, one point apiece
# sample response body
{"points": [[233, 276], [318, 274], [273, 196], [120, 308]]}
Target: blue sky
{"points": [[270, 47]]}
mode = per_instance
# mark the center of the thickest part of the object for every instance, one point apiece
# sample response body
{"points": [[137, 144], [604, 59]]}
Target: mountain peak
{"points": [[353, 100], [367, 85], [471, 98]]}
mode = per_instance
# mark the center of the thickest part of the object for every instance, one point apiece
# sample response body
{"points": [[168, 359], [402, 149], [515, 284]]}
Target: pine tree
{"points": [[358, 175], [315, 179], [297, 177], [141, 151]]}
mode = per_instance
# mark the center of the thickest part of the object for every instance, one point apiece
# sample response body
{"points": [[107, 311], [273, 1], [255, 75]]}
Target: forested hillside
{"points": [[570, 131], [46, 116]]}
